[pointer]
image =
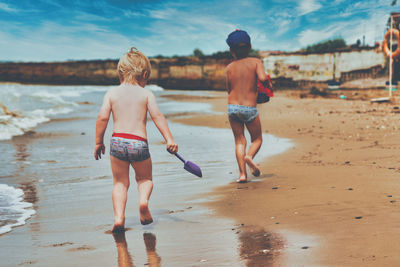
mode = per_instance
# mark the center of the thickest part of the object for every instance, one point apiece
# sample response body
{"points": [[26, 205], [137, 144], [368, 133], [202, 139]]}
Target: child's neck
{"points": [[129, 84], [141, 83], [239, 58]]}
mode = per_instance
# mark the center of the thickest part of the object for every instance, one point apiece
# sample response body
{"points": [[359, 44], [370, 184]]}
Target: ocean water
{"points": [[48, 173]]}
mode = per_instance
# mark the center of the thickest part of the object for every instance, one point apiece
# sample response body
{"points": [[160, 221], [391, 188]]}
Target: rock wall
{"points": [[64, 73], [174, 73], [301, 69], [288, 70], [189, 73]]}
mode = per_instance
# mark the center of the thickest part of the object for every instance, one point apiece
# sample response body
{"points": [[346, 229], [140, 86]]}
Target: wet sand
{"points": [[71, 194], [331, 200]]}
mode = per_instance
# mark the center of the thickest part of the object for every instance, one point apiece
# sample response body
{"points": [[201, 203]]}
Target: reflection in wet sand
{"points": [[125, 258], [258, 247], [153, 259], [21, 156]]}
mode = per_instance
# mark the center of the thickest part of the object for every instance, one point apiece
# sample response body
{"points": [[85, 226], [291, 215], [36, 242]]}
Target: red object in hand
{"points": [[266, 87]]}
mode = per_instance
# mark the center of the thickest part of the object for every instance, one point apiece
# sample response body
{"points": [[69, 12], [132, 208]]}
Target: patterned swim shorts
{"points": [[130, 148], [243, 114]]}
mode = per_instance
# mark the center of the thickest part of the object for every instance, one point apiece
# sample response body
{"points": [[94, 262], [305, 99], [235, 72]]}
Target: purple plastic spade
{"points": [[190, 166]]}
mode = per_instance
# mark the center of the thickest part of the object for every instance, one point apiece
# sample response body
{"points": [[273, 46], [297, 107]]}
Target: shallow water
{"points": [[71, 193]]}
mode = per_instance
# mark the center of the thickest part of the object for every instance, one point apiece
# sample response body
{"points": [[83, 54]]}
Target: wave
{"points": [[13, 210], [154, 88], [13, 123], [26, 106]]}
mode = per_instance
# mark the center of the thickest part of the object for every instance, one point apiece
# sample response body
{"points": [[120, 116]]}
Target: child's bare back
{"points": [[242, 77], [129, 104]]}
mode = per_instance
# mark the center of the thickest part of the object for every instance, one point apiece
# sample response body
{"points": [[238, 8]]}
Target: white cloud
{"points": [[371, 27], [308, 6], [55, 42], [132, 14], [172, 36], [7, 8], [308, 37]]}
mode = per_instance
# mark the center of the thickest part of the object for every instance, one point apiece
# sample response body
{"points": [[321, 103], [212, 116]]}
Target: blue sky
{"points": [[58, 30]]}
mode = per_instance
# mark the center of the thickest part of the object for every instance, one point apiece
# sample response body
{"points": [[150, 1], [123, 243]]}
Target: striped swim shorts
{"points": [[129, 147]]}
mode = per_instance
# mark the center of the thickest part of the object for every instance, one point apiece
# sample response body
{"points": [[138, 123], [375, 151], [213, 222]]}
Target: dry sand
{"points": [[333, 199]]}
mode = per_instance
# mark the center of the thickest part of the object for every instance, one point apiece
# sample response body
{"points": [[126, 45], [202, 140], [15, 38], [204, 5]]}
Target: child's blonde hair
{"points": [[133, 65]]}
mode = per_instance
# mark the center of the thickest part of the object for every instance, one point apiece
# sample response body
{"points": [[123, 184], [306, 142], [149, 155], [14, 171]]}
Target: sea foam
{"points": [[14, 211]]}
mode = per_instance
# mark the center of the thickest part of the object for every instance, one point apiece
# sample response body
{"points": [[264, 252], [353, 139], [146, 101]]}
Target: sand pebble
{"points": [[265, 251]]}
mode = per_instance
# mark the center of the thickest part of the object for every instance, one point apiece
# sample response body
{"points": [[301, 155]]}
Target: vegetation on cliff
{"points": [[327, 46], [197, 53]]}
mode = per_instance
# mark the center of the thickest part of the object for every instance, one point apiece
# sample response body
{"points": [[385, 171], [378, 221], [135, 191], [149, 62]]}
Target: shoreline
{"points": [[337, 185]]}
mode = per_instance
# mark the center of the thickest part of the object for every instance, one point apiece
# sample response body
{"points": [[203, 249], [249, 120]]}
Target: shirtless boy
{"points": [[241, 84], [129, 103]]}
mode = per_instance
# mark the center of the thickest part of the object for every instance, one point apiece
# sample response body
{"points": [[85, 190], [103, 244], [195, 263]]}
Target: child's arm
{"points": [[261, 73], [161, 123], [227, 81], [101, 125]]}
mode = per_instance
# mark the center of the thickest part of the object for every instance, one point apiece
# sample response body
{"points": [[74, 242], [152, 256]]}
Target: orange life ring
{"points": [[385, 46]]}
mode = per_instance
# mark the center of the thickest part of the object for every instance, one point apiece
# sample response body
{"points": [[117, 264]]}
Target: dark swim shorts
{"points": [[128, 147]]}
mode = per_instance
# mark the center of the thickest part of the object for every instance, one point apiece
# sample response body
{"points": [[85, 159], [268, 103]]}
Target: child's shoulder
{"points": [[254, 60], [244, 61]]}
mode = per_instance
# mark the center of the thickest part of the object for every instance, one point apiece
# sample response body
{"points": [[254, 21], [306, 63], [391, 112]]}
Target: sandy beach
{"points": [[56, 199], [329, 200], [332, 199]]}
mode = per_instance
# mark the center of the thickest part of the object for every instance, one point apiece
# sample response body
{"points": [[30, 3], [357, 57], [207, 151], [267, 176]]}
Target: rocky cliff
{"points": [[288, 70], [172, 73]]}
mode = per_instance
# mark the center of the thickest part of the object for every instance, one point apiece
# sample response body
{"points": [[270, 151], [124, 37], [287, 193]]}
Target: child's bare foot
{"points": [[241, 180], [119, 225], [118, 228], [254, 168], [145, 216]]}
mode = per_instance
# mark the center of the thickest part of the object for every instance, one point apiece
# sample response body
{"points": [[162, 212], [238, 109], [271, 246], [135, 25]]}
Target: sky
{"points": [[60, 30]]}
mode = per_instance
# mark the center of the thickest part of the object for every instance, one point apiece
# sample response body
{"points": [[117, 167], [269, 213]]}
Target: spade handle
{"points": [[178, 156]]}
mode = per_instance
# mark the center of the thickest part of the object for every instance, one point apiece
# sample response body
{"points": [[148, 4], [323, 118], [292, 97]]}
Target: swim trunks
{"points": [[243, 114], [129, 147]]}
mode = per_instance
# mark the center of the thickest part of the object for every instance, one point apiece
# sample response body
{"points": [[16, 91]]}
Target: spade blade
{"points": [[193, 168]]}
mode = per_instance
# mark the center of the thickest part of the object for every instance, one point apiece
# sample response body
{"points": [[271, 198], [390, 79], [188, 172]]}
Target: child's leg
{"points": [[144, 179], [240, 148], [120, 170], [254, 128]]}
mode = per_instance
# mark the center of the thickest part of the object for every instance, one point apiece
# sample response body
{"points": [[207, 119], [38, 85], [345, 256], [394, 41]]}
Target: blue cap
{"points": [[237, 37]]}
